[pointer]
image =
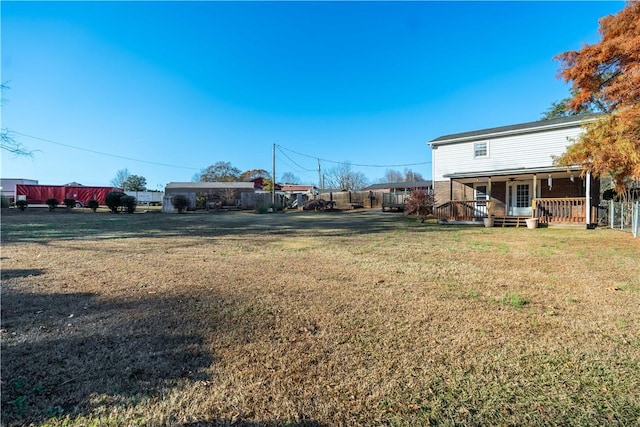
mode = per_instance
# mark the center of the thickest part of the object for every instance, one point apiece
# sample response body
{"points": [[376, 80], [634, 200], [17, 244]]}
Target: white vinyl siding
{"points": [[531, 150]]}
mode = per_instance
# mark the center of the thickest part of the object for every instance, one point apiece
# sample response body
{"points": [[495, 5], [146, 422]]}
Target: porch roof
{"points": [[511, 172]]}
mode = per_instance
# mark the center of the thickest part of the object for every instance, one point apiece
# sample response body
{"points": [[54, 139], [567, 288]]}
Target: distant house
{"points": [[509, 172], [395, 194], [396, 187], [290, 189], [202, 194]]}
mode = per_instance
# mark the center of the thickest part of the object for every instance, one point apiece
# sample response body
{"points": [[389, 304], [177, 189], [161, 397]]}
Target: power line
{"points": [[104, 154], [294, 162], [280, 148], [296, 170], [352, 164]]}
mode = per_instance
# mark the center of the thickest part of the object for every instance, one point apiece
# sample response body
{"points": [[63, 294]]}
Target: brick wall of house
{"points": [[565, 188], [445, 191], [441, 192], [462, 191]]}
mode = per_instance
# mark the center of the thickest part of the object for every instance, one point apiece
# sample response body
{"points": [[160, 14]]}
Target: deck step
{"points": [[510, 221]]}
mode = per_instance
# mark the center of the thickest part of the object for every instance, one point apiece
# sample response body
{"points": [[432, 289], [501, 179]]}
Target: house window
{"points": [[481, 192], [480, 149], [522, 196]]}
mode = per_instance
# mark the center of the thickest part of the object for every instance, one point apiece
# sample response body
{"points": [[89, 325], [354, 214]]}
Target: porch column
{"points": [[489, 202], [588, 197], [535, 194]]}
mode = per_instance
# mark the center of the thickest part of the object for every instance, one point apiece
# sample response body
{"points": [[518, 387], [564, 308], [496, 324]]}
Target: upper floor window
{"points": [[480, 149]]}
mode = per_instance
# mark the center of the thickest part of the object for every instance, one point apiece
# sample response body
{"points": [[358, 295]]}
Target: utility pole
{"points": [[273, 177], [320, 184]]}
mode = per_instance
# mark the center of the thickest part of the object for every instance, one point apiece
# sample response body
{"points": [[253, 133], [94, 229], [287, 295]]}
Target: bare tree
{"points": [[290, 178], [121, 178], [12, 146], [8, 142], [343, 177], [412, 176], [392, 175]]}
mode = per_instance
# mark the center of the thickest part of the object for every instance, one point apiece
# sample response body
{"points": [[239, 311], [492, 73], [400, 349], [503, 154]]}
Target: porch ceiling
{"points": [[514, 174]]}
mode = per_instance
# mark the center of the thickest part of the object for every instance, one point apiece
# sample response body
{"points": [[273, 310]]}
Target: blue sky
{"points": [[165, 89]]}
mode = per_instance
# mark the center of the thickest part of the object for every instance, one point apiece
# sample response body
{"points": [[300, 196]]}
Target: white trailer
{"points": [[8, 186], [149, 198]]}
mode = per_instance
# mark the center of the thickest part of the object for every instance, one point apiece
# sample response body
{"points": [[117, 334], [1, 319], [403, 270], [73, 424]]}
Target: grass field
{"points": [[316, 319]]}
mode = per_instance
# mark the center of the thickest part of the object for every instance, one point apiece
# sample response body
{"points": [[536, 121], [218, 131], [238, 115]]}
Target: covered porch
{"points": [[553, 195]]}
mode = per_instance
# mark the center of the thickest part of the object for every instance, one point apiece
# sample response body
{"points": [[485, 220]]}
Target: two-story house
{"points": [[508, 173]]}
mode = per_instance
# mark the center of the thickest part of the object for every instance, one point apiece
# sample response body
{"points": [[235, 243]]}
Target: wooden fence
{"points": [[353, 199], [340, 199]]}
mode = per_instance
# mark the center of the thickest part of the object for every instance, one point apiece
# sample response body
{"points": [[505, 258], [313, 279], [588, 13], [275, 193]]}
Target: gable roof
{"points": [[398, 185], [297, 187], [522, 128], [208, 185]]}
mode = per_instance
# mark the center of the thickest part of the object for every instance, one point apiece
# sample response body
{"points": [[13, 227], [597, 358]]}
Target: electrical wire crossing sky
{"points": [[165, 89]]}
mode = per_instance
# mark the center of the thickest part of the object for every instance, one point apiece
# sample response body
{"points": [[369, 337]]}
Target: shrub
{"points": [[21, 204], [114, 200], [5, 202], [263, 208], [69, 203], [419, 203], [201, 200], [93, 205], [52, 203], [180, 202], [129, 203]]}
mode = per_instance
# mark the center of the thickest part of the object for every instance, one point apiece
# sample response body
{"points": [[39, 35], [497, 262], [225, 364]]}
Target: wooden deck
{"points": [[510, 221], [550, 212]]}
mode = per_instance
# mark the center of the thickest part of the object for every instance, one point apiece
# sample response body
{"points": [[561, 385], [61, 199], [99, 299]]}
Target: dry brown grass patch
{"points": [[315, 319]]}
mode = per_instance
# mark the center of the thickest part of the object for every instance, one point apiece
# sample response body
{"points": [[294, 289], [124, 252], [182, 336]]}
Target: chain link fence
{"points": [[623, 216]]}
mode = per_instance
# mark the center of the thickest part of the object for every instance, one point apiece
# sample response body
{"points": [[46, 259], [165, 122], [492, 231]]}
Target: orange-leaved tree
{"points": [[608, 73]]}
